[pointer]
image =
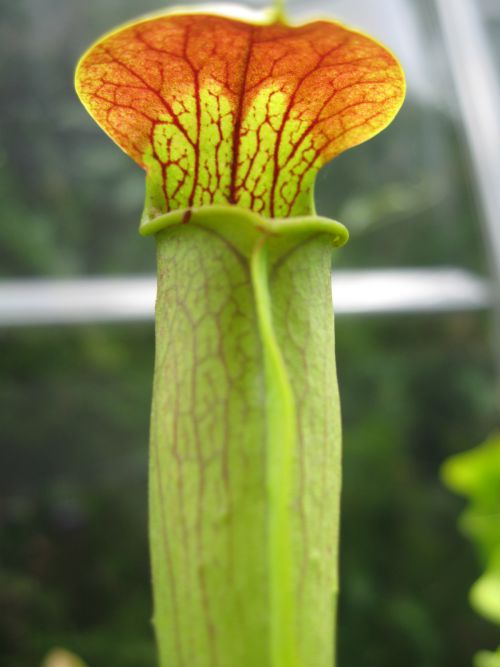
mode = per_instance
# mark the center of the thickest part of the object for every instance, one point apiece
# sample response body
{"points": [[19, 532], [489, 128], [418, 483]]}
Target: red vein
{"points": [[238, 116]]}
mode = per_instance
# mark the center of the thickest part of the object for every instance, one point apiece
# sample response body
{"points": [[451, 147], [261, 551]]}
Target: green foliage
{"points": [[487, 659], [485, 594], [476, 475]]}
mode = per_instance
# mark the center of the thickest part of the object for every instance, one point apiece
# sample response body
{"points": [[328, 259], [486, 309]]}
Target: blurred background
{"points": [[419, 382]]}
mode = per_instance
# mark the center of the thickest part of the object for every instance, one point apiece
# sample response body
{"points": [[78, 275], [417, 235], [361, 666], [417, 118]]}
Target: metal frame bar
{"points": [[131, 299], [477, 87]]}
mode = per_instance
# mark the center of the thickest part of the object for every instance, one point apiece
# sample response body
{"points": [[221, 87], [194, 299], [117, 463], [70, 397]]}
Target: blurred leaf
{"points": [[485, 594], [487, 659], [476, 475]]}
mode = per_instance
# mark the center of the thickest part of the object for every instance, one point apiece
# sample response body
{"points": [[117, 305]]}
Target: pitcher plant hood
{"points": [[218, 110], [232, 117]]}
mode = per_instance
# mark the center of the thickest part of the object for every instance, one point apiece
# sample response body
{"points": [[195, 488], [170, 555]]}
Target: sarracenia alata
{"points": [[231, 120]]}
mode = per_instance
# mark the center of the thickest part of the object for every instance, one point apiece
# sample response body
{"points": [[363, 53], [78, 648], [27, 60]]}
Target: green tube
{"points": [[245, 442]]}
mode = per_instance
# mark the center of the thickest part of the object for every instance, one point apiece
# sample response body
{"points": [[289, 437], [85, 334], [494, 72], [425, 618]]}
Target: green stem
{"points": [[281, 438], [245, 444]]}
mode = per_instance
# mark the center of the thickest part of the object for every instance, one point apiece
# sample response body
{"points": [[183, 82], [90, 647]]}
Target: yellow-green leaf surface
{"points": [[218, 110]]}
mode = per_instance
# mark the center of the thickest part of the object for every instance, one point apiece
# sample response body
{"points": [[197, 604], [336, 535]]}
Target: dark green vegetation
{"points": [[75, 401]]}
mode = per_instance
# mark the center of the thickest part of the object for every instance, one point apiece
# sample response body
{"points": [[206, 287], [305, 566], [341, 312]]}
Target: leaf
{"points": [[245, 442], [476, 475], [485, 594], [487, 659], [219, 111], [231, 121]]}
